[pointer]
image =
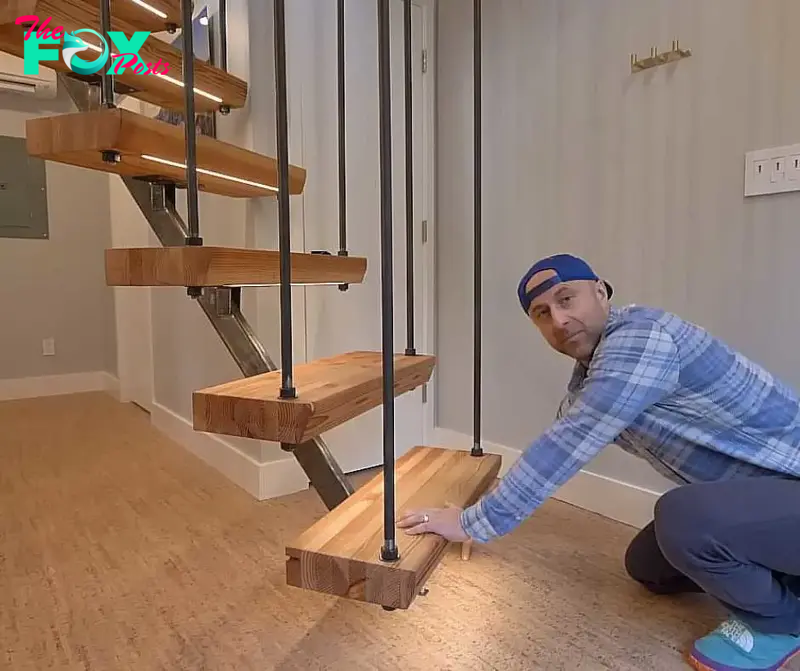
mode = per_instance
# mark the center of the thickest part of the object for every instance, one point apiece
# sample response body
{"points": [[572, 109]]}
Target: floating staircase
{"points": [[120, 141], [341, 553], [214, 88]]}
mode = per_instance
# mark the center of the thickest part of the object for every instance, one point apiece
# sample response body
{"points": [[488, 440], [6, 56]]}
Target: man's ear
{"points": [[602, 290]]}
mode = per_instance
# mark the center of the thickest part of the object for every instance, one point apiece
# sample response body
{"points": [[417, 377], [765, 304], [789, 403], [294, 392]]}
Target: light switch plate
{"points": [[772, 170]]}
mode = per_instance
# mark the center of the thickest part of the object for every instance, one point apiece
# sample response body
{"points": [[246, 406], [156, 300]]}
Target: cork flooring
{"points": [[120, 550]]}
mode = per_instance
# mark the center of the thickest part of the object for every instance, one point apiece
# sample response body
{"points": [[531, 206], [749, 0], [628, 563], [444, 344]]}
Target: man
{"points": [[723, 428]]}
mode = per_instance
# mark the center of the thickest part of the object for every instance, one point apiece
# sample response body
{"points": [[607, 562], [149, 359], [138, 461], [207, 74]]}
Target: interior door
{"points": [[409, 410], [133, 306]]}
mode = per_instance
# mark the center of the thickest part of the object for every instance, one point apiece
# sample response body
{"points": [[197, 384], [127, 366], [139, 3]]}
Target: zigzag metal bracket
{"points": [[222, 307]]}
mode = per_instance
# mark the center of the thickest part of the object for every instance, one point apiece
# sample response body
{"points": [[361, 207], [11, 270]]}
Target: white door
{"points": [[129, 228], [409, 409], [339, 322]]}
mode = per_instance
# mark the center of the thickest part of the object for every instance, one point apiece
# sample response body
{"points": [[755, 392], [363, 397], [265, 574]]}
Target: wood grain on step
{"points": [[208, 266], [330, 392], [79, 138], [142, 19], [340, 554], [126, 11]]}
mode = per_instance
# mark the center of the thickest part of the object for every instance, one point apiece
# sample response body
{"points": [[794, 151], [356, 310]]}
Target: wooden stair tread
{"points": [[340, 553], [134, 14], [143, 19], [224, 266], [79, 138], [213, 86], [330, 391]]}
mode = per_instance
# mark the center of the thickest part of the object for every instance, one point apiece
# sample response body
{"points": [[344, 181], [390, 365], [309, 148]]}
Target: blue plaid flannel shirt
{"points": [[666, 390]]}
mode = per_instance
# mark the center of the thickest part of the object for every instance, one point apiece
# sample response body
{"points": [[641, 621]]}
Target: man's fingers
{"points": [[417, 529], [411, 518]]}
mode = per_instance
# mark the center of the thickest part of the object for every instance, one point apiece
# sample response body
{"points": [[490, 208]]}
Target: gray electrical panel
{"points": [[23, 192]]}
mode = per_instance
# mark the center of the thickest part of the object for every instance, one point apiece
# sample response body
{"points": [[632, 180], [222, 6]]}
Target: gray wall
{"points": [[642, 174], [56, 287]]}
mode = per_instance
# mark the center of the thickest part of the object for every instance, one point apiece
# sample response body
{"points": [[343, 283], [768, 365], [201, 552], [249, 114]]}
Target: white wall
{"points": [[642, 174], [55, 288]]}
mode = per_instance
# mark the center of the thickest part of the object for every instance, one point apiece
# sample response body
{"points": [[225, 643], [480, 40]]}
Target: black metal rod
{"points": [[409, 111], [477, 450], [389, 551], [287, 377], [106, 81], [340, 50], [223, 35], [190, 124]]}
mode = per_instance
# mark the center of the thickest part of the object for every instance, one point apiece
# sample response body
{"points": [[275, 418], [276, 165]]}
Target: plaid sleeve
{"points": [[635, 366]]}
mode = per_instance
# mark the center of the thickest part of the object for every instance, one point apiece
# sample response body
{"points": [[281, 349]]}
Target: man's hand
{"points": [[445, 522]]}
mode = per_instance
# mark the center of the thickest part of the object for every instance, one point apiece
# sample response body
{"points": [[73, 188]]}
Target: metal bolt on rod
{"points": [[410, 351], [389, 551], [477, 450], [190, 126], [287, 382]]}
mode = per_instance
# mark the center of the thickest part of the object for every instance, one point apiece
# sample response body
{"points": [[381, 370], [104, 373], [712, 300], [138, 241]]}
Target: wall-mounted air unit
{"points": [[13, 78]]}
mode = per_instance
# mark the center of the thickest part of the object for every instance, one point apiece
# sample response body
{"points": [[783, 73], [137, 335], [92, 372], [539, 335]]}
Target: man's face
{"points": [[571, 315]]}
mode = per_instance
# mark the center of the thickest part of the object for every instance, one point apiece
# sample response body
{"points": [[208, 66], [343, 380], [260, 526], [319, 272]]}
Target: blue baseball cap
{"points": [[566, 268]]}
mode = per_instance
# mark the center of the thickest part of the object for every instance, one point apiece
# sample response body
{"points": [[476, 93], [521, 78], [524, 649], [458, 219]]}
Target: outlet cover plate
{"points": [[772, 170]]}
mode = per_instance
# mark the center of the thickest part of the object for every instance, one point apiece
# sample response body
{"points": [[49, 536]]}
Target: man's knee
{"points": [[682, 526], [639, 556], [645, 564]]}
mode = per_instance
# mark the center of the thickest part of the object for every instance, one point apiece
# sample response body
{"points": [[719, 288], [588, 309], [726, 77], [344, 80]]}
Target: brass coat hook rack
{"points": [[656, 59]]}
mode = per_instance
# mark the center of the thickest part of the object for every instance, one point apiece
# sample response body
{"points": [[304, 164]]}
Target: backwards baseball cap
{"points": [[558, 268]]}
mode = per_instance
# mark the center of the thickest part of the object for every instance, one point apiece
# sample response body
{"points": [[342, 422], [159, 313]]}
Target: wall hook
{"points": [[655, 59]]}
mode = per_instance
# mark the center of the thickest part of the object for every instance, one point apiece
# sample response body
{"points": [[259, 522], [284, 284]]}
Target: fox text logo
{"points": [[37, 49]]}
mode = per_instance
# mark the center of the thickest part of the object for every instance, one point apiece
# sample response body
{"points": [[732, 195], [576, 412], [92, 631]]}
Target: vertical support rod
{"points": [[409, 112], [389, 551], [287, 377], [190, 124], [106, 81], [477, 450], [223, 35], [340, 58]]}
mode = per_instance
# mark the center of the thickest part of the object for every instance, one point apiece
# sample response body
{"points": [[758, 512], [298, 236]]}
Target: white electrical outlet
{"points": [[778, 170], [773, 170], [793, 168], [48, 347]]}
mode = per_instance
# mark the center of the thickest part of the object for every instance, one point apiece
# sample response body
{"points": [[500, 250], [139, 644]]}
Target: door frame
{"points": [[428, 293]]}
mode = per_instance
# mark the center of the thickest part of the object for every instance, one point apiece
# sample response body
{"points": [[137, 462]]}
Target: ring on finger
{"points": [[425, 519]]}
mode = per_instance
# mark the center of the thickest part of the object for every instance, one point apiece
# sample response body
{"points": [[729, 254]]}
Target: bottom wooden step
{"points": [[340, 553]]}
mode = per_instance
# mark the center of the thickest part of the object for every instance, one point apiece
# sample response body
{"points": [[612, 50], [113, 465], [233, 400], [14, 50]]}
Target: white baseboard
{"points": [[262, 480], [56, 385], [621, 501]]}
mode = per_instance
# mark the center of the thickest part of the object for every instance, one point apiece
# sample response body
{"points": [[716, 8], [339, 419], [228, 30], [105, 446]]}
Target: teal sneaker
{"points": [[733, 646]]}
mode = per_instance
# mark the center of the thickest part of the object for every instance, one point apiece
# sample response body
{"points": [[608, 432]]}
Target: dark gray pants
{"points": [[736, 540]]}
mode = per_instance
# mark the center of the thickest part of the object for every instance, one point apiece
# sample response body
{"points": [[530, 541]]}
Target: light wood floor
{"points": [[119, 550]]}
